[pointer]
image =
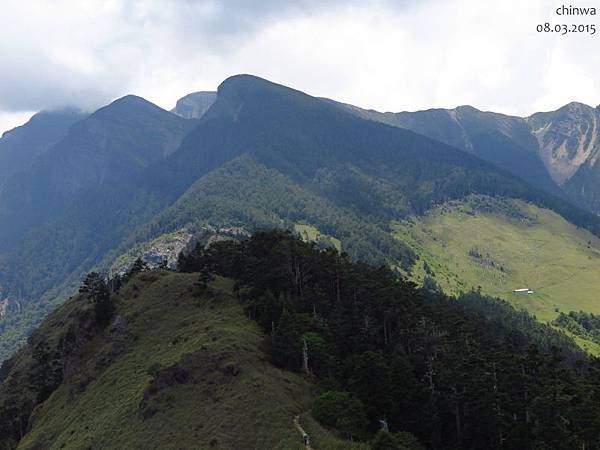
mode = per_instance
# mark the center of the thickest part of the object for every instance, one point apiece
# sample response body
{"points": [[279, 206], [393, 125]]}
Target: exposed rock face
{"points": [[166, 247], [193, 106], [568, 138]]}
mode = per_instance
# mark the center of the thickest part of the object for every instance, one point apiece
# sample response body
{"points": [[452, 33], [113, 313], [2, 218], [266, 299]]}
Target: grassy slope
{"points": [[310, 233], [164, 322], [539, 250]]}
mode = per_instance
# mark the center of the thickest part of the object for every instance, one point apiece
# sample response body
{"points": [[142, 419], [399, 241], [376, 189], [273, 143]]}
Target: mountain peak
{"points": [[129, 106], [576, 107], [131, 100], [241, 91], [194, 105], [245, 86], [230, 94], [467, 108], [245, 79], [48, 118], [570, 107]]}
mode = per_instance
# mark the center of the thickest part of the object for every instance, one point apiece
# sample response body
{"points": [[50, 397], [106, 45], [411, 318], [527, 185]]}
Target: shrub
{"points": [[342, 412]]}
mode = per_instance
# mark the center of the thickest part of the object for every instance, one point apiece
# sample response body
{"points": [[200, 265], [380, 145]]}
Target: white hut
{"points": [[522, 291]]}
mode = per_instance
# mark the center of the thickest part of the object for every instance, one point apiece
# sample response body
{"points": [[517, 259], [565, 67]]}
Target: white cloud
{"points": [[383, 54], [9, 120]]}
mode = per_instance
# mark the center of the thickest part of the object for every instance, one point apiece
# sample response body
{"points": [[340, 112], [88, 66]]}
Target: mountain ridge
{"points": [[561, 161], [318, 158], [97, 150], [214, 359]]}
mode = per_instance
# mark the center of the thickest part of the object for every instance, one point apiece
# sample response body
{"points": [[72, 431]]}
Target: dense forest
{"points": [[465, 374]]}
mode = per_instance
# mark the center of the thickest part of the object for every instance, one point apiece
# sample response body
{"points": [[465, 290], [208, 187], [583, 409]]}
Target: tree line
{"points": [[451, 374]]}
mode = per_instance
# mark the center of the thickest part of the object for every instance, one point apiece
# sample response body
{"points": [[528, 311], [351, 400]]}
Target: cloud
{"points": [[10, 120], [61, 52], [432, 54], [383, 54]]}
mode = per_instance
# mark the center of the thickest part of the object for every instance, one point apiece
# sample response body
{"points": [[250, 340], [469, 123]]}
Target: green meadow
{"points": [[236, 398], [502, 245]]}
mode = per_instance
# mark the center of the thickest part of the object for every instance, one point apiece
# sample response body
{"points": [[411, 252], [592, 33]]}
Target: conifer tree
{"points": [[95, 288]]}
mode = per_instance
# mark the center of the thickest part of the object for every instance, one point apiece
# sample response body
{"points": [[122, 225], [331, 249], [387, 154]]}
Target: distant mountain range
{"points": [[555, 151], [90, 190]]}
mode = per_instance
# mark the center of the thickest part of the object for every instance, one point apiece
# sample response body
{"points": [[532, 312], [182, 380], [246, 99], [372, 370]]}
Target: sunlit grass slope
{"points": [[310, 233], [502, 245], [231, 397]]}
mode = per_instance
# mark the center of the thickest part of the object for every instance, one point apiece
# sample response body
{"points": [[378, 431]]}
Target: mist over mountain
{"points": [[20, 146], [108, 149]]}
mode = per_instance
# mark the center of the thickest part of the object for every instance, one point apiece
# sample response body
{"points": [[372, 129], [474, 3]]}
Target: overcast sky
{"points": [[388, 55]]}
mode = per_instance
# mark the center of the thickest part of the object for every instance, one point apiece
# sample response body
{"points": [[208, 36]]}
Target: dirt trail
{"points": [[301, 430]]}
